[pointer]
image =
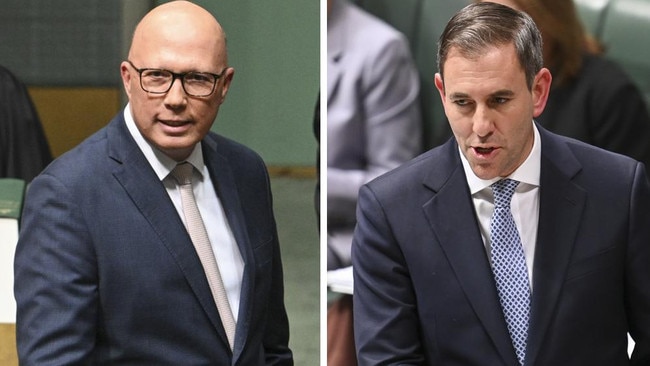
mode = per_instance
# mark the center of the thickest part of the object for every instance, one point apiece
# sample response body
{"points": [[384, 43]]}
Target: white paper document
{"points": [[8, 240], [340, 280]]}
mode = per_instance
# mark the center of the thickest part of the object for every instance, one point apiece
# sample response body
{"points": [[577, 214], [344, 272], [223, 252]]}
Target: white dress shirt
{"points": [[229, 259], [524, 204]]}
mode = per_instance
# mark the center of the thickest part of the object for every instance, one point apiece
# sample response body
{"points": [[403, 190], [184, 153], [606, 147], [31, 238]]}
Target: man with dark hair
{"points": [[507, 245]]}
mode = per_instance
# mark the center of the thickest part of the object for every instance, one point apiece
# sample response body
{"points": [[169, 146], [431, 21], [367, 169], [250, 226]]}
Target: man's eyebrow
{"points": [[459, 95], [503, 93], [497, 94]]}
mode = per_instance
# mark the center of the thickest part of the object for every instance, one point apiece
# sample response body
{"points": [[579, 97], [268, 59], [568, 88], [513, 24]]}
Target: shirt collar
{"points": [[528, 172], [161, 163]]}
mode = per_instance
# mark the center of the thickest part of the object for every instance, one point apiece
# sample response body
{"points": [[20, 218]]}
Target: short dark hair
{"points": [[482, 25]]}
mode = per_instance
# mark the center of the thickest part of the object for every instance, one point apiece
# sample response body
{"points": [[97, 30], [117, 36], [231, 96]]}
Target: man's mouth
{"points": [[483, 150], [173, 123]]}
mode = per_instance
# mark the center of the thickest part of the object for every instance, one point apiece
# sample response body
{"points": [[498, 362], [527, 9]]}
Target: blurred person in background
{"points": [[373, 116], [24, 149], [373, 125]]}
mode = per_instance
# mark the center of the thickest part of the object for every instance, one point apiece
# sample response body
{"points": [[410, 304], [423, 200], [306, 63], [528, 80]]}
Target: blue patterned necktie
{"points": [[509, 266]]}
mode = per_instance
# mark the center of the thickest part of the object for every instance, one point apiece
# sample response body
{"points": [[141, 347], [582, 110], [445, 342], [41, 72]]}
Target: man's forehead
{"points": [[493, 65], [471, 52]]}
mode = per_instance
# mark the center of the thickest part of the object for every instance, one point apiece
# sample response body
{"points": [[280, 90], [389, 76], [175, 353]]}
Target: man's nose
{"points": [[483, 121], [176, 95]]}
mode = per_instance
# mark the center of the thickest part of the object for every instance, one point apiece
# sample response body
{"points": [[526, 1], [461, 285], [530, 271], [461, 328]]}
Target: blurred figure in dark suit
{"points": [[23, 146]]}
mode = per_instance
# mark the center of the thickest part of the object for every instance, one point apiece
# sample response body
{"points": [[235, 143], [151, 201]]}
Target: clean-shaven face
{"points": [[490, 108], [180, 38]]}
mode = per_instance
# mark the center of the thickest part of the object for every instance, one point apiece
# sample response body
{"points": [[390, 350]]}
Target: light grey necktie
{"points": [[195, 227], [509, 267]]}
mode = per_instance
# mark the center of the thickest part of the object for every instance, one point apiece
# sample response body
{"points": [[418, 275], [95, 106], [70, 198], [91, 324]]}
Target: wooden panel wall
{"points": [[69, 115]]}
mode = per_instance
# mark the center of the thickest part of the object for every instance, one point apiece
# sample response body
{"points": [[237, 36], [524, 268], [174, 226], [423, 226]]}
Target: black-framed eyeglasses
{"points": [[160, 81]]}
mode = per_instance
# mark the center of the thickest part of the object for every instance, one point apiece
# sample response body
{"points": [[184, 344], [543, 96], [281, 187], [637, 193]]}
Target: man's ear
{"points": [[126, 78], [227, 79], [540, 90], [440, 85]]}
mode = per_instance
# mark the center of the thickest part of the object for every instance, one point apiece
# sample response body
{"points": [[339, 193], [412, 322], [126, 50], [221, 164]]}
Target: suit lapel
{"points": [[226, 188], [146, 191], [453, 220], [561, 207]]}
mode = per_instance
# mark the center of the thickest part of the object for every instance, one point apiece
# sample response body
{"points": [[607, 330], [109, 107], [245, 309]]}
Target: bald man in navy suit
{"points": [[105, 271]]}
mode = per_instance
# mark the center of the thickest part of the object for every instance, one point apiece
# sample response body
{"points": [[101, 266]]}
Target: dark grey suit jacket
{"points": [[105, 272], [424, 293]]}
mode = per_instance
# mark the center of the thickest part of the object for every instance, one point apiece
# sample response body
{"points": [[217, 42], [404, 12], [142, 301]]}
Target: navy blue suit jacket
{"points": [[105, 272], [424, 293]]}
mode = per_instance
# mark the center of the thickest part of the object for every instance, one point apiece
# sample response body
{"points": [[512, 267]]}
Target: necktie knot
{"points": [[503, 191], [183, 173]]}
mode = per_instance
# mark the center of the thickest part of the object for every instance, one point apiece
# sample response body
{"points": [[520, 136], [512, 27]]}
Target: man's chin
{"points": [[484, 171], [178, 152]]}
